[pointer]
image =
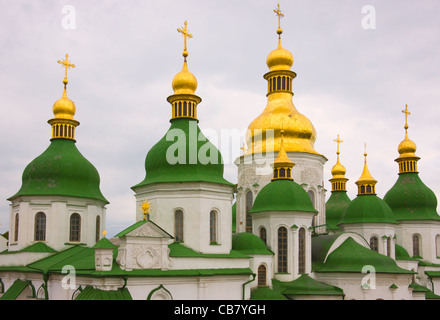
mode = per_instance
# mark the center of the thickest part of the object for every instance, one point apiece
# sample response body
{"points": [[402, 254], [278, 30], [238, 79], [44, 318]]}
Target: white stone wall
{"points": [[58, 210]]}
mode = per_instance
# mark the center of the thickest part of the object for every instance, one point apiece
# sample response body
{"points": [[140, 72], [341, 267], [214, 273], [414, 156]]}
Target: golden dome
{"points": [[279, 59], [366, 178], [407, 148], [64, 108], [184, 82], [338, 170]]}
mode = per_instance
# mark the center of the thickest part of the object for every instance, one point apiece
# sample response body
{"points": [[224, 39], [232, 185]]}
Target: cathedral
{"points": [[197, 236]]}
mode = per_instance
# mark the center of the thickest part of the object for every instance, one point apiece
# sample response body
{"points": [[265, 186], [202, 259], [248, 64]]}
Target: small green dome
{"points": [[368, 208], [411, 199], [283, 195], [335, 207], [184, 154], [61, 170], [249, 243]]}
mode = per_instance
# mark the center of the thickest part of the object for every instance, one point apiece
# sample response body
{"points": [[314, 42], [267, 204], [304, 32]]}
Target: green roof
{"points": [[411, 199], [351, 256], [402, 254], [179, 250], [184, 154], [104, 243], [367, 208], [35, 247], [90, 293], [61, 170], [15, 289], [418, 288], [305, 285], [249, 243], [137, 225], [266, 293], [335, 207], [282, 195]]}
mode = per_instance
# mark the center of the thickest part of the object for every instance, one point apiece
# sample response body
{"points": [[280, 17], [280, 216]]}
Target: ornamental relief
{"points": [[145, 231], [145, 257]]}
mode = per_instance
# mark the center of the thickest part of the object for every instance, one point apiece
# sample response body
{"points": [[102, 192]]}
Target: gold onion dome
{"points": [[184, 82], [64, 107], [263, 133], [407, 148]]}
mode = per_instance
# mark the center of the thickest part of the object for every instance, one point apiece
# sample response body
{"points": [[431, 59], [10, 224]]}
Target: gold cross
{"points": [[185, 33], [243, 148], [66, 63], [407, 113], [338, 141], [279, 14]]}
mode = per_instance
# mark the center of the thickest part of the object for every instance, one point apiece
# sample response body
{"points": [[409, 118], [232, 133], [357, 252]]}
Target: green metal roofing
{"points": [[351, 256], [137, 225], [198, 160], [282, 195], [335, 207], [368, 208], [411, 199], [249, 243], [104, 243], [418, 288], [305, 285], [61, 170], [15, 289], [90, 293], [179, 250], [266, 293], [402, 254], [35, 247]]}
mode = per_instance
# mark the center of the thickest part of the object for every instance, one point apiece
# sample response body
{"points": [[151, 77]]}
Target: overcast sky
{"points": [[354, 76]]}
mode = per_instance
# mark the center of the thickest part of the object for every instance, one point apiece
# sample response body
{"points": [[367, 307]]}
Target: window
{"points": [[312, 197], [416, 245], [75, 227], [249, 202], [263, 234], [213, 226], [16, 228], [261, 276], [374, 244], [98, 228], [178, 225], [389, 247], [437, 245], [40, 227], [302, 250], [282, 250]]}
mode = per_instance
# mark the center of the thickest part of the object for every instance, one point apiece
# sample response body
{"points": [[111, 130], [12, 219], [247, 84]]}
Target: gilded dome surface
{"points": [[184, 82], [64, 107], [279, 59]]}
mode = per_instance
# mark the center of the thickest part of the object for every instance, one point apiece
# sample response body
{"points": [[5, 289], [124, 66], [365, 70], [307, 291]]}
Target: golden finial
{"points": [[243, 148], [145, 207], [186, 34], [365, 152], [104, 233], [279, 14], [66, 63], [407, 113]]}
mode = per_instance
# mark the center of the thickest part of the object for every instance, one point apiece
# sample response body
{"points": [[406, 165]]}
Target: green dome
{"points": [[368, 208], [61, 170], [283, 195], [249, 243], [411, 199], [195, 158], [335, 207]]}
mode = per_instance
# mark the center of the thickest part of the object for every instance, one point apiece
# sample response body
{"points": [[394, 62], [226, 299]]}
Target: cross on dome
{"points": [[66, 63], [186, 34]]}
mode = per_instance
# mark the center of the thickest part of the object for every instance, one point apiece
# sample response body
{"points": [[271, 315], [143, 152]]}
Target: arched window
{"points": [[213, 226], [75, 227], [389, 247], [437, 245], [178, 225], [263, 234], [312, 196], [40, 227], [302, 250], [249, 203], [16, 228], [261, 282], [416, 245], [282, 250], [98, 228], [374, 243]]}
